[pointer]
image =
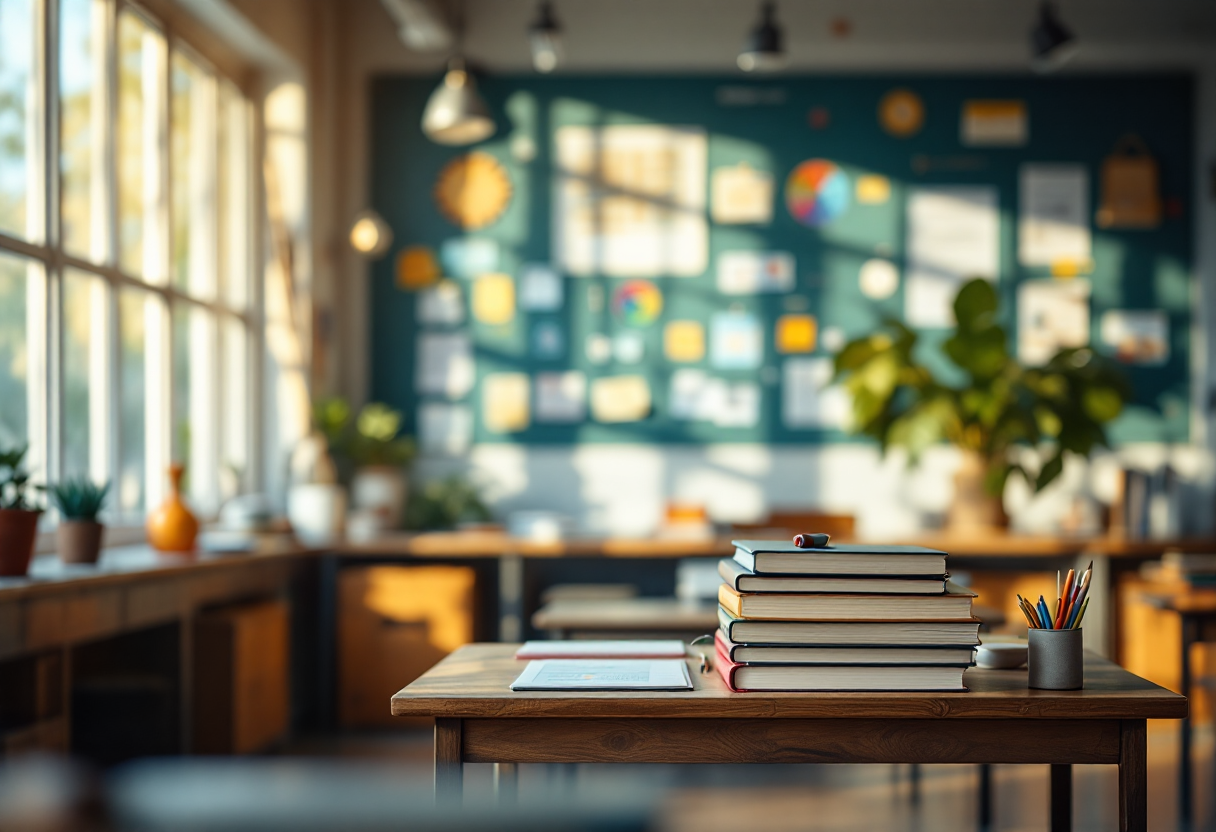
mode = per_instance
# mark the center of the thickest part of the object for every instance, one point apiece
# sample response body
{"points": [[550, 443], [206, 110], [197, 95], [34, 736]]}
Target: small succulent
{"points": [[79, 498], [14, 479]]}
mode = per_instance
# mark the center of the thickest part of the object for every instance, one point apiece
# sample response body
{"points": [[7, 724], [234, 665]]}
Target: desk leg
{"points": [[506, 784], [1061, 798], [449, 770], [1190, 634], [1133, 777], [985, 797]]}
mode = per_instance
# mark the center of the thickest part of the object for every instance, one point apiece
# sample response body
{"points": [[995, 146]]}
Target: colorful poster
{"points": [[755, 272], [628, 347], [1053, 216], [795, 333], [416, 268], [494, 299], [994, 124], [637, 303], [953, 236], [808, 399], [599, 348], [817, 192], [548, 341], [444, 428], [616, 399], [561, 398], [1137, 336], [878, 278], [736, 341], [540, 288], [684, 341], [442, 304], [741, 195], [1052, 315], [504, 402], [444, 364], [467, 257]]}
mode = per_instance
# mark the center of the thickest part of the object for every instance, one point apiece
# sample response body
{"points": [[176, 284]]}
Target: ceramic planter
{"points": [[317, 512], [18, 531], [79, 540], [973, 508]]}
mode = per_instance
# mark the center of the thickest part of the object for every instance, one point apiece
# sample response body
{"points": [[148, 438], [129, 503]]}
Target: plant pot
{"points": [[18, 531], [382, 489], [973, 508], [79, 540]]}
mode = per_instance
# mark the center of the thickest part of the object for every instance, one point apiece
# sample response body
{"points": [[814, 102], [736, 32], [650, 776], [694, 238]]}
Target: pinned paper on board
{"points": [[417, 268], [873, 189], [637, 303], [598, 348], [444, 428], [755, 272], [795, 333], [1053, 221], [616, 399], [878, 278], [444, 365], [442, 304], [740, 195], [467, 257], [994, 124], [833, 339], [494, 299], [953, 236], [630, 201], [685, 391], [504, 402], [628, 347], [540, 288], [817, 192], [1052, 315], [561, 398], [808, 398], [737, 405], [548, 341], [736, 341], [684, 341], [1136, 336]]}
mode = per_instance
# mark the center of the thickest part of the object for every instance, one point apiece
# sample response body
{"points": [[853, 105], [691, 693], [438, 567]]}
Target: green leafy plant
{"points": [[14, 480], [446, 503], [1058, 408], [377, 440], [331, 416], [79, 498]]}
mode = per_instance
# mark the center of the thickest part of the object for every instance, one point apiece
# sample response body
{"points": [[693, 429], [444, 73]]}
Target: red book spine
{"points": [[726, 668]]}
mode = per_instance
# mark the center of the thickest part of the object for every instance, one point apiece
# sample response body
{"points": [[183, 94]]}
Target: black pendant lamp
{"points": [[764, 50], [1052, 44], [545, 39]]}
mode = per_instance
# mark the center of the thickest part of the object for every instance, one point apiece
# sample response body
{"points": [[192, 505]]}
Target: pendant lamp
{"points": [[455, 114], [764, 50], [545, 39], [1052, 44]]}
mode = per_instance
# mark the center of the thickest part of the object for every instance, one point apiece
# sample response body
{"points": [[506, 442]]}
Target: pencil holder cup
{"points": [[1055, 661]]}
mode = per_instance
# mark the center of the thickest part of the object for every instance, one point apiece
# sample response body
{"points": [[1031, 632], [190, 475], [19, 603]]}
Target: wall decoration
{"points": [[467, 257], [473, 190], [417, 268], [617, 399], [953, 236], [901, 113], [630, 201], [740, 195], [494, 299], [637, 303], [1130, 187], [878, 278], [628, 347], [686, 400], [1052, 315], [1137, 336], [994, 124], [540, 288], [737, 404], [795, 333], [442, 304], [816, 192], [444, 428], [684, 341], [599, 348], [548, 341], [873, 189], [755, 272], [736, 341], [808, 400], [1053, 215], [505, 406], [444, 365], [561, 398]]}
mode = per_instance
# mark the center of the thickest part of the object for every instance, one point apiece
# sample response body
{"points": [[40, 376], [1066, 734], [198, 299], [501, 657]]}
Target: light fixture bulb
{"points": [[370, 234], [764, 50], [455, 114], [1052, 44], [545, 39]]}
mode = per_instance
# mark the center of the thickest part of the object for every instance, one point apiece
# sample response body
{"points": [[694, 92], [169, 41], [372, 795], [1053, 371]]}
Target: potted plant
{"points": [[18, 517], [380, 455], [447, 504], [79, 534], [996, 405]]}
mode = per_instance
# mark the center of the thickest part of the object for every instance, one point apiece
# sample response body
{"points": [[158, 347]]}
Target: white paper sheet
{"points": [[505, 402], [953, 236], [807, 400], [741, 194], [620, 399], [1053, 218], [441, 304], [444, 428], [736, 341], [540, 288], [561, 398], [467, 257], [1052, 315], [739, 405], [628, 347], [755, 272], [1137, 336], [606, 674], [444, 365]]}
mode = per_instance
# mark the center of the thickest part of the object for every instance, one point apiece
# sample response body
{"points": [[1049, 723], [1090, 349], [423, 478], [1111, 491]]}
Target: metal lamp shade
{"points": [[455, 113]]}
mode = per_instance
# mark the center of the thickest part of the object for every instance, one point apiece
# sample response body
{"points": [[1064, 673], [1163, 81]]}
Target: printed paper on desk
{"points": [[605, 674], [616, 399], [561, 397], [494, 299], [1053, 223], [684, 341], [754, 272], [953, 236], [741, 194], [442, 304], [808, 400], [444, 365], [736, 341], [467, 257], [504, 402], [444, 428], [1052, 315], [540, 288], [1137, 336]]}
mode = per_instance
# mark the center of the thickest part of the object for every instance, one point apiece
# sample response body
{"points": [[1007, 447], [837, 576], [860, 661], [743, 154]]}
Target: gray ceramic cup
{"points": [[1055, 661]]}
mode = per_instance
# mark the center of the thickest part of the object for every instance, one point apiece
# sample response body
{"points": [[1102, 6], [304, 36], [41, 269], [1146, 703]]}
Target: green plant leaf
{"points": [[1102, 404], [975, 305], [1051, 469]]}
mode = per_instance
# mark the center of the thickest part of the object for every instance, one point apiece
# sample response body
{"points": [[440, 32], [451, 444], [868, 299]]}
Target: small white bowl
{"points": [[1001, 655]]}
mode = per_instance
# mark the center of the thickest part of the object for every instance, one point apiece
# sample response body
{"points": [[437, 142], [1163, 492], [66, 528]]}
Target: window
{"points": [[129, 313]]}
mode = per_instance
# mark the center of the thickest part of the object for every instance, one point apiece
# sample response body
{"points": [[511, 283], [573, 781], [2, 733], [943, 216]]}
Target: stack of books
{"points": [[845, 617]]}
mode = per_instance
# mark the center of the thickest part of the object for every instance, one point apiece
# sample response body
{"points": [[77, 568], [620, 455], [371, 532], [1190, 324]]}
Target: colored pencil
{"points": [[1076, 625], [1044, 615], [1028, 611], [1065, 598]]}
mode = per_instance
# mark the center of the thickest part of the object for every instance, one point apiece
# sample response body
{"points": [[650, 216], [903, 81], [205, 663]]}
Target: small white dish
{"points": [[1001, 655]]}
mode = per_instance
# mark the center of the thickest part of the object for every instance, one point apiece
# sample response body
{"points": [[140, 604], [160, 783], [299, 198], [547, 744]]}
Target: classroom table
{"points": [[478, 719]]}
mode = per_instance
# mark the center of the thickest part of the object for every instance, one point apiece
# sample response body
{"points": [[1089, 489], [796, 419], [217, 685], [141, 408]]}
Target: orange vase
{"points": [[173, 527]]}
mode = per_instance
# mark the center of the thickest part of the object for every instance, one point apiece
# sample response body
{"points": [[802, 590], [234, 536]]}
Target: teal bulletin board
{"points": [[773, 126]]}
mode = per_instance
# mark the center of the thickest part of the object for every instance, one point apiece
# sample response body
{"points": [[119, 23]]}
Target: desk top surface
{"points": [[475, 682]]}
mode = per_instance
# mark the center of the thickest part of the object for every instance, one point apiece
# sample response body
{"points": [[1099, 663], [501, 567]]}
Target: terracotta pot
{"points": [[79, 540], [18, 530], [973, 508], [173, 527]]}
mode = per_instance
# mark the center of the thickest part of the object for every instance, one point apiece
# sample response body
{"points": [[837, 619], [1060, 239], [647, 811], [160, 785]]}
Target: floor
{"points": [[698, 798]]}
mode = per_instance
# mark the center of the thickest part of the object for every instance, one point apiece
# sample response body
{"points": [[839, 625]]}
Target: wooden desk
{"points": [[478, 719]]}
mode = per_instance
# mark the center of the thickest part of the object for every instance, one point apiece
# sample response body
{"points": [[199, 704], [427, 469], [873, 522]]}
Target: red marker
{"points": [[811, 541]]}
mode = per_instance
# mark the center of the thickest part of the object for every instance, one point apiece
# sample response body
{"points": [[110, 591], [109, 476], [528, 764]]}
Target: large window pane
{"points": [[20, 122], [192, 163], [81, 127], [234, 407], [85, 374], [232, 183], [142, 448], [194, 403], [141, 61], [22, 363]]}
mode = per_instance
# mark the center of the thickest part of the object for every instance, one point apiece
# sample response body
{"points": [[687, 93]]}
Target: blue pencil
{"points": [[1044, 614]]}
